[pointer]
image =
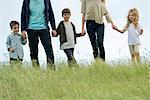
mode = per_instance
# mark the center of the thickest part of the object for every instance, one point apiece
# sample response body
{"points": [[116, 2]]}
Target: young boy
{"points": [[67, 32], [14, 43]]}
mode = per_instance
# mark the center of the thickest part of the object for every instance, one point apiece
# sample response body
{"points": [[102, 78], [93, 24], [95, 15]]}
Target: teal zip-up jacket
{"points": [[25, 12], [16, 41]]}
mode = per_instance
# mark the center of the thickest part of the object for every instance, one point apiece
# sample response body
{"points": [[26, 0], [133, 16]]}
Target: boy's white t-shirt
{"points": [[133, 34], [69, 35]]}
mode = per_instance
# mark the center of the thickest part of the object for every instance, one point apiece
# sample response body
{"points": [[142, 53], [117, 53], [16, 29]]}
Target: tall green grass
{"points": [[95, 82]]}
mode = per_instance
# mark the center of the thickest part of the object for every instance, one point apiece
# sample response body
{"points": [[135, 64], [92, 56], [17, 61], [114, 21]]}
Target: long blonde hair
{"points": [[136, 15]]}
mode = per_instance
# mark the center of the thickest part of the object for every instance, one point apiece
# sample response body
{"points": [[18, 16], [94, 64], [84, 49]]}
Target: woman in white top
{"points": [[93, 12], [134, 30]]}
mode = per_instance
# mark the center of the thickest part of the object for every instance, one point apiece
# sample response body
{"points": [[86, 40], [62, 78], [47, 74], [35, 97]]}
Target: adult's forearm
{"points": [[83, 21]]}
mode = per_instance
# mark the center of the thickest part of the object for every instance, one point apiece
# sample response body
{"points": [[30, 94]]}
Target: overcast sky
{"points": [[115, 43]]}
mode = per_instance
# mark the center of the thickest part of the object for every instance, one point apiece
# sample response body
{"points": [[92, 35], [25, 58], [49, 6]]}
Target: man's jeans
{"points": [[44, 35], [96, 35]]}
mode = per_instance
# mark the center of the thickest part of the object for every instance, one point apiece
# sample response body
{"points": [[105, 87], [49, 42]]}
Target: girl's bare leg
{"points": [[133, 58], [138, 57]]}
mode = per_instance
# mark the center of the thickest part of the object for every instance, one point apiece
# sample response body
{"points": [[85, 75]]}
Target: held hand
{"points": [[114, 27], [24, 34], [12, 49], [54, 33], [141, 32], [83, 32]]}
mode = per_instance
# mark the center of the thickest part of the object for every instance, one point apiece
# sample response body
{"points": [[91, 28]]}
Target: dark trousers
{"points": [[14, 61], [44, 35], [71, 60], [96, 35]]}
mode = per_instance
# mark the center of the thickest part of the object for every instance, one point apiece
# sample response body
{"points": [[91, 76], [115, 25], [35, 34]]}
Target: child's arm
{"points": [[79, 34], [8, 45], [59, 29], [123, 30]]}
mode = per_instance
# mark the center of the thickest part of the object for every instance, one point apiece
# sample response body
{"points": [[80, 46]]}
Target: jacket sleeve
{"points": [[51, 16], [23, 17], [8, 43], [74, 29], [83, 6], [106, 13], [78, 34], [59, 28]]}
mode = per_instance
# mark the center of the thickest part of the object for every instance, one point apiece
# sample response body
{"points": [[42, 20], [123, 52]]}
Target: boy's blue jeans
{"points": [[44, 35], [96, 35], [71, 60], [69, 52]]}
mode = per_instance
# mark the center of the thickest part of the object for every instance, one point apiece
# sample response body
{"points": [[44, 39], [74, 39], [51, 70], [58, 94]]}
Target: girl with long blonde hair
{"points": [[134, 30]]}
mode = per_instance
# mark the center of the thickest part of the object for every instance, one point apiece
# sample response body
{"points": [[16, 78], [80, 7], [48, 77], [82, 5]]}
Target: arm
{"points": [[123, 30], [60, 29], [23, 16], [74, 29], [83, 22], [108, 17], [51, 16], [83, 11], [105, 12], [8, 45], [23, 19]]}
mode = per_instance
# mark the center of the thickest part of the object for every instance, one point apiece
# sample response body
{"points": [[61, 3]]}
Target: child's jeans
{"points": [[71, 60], [14, 61]]}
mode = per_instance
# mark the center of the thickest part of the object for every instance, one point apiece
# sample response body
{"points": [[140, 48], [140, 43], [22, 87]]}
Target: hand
{"points": [[12, 49], [114, 26], [141, 32], [24, 34], [83, 32], [54, 33]]}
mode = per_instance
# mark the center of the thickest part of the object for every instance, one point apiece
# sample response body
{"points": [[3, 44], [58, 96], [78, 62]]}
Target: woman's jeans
{"points": [[96, 35], [44, 35]]}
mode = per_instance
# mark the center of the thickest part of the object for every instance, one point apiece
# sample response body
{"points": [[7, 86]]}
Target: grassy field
{"points": [[95, 82]]}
